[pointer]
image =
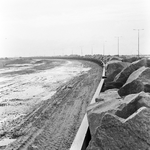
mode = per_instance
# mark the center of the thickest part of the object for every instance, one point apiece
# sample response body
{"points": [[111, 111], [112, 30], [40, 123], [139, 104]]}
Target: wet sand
{"points": [[60, 94]]}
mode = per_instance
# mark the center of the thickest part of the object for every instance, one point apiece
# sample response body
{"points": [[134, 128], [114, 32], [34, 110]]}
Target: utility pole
{"points": [[118, 40], [138, 40]]}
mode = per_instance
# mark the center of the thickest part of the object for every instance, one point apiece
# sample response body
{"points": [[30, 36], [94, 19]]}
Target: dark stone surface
{"points": [[125, 73], [108, 95], [114, 134], [122, 77], [115, 58], [138, 81], [108, 101], [113, 68], [130, 59], [124, 128]]}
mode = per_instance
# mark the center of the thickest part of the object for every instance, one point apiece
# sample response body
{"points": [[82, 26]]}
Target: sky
{"points": [[64, 27]]}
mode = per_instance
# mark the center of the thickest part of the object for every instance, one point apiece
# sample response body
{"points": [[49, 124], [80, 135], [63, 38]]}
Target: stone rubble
{"points": [[121, 78], [119, 120]]}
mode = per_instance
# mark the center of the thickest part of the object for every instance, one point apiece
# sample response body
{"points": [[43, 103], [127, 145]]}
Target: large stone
{"points": [[114, 134], [96, 112], [127, 128], [130, 59], [122, 77], [113, 68], [108, 95], [138, 81], [107, 101], [115, 58], [126, 72]]}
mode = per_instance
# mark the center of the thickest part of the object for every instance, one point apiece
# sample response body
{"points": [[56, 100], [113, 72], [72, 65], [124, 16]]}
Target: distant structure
{"points": [[138, 40], [118, 43]]}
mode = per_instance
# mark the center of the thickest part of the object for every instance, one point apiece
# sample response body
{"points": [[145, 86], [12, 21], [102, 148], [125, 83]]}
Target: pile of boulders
{"points": [[120, 118]]}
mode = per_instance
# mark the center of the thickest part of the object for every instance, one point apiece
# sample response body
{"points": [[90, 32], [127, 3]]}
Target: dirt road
{"points": [[53, 123]]}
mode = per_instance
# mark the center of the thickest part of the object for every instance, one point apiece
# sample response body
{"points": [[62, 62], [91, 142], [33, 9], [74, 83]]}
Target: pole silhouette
{"points": [[138, 40], [118, 44]]}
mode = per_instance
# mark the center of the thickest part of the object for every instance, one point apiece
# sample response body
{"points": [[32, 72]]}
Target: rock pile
{"points": [[119, 120], [121, 78], [114, 67], [138, 81]]}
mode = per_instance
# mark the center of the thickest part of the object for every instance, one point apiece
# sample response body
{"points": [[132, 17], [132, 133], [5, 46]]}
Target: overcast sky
{"points": [[52, 27]]}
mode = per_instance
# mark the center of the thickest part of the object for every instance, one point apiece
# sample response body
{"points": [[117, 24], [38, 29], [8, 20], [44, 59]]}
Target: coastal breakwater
{"points": [[120, 117]]}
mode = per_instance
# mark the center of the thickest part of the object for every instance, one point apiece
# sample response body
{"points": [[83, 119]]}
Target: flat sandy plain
{"points": [[43, 101]]}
